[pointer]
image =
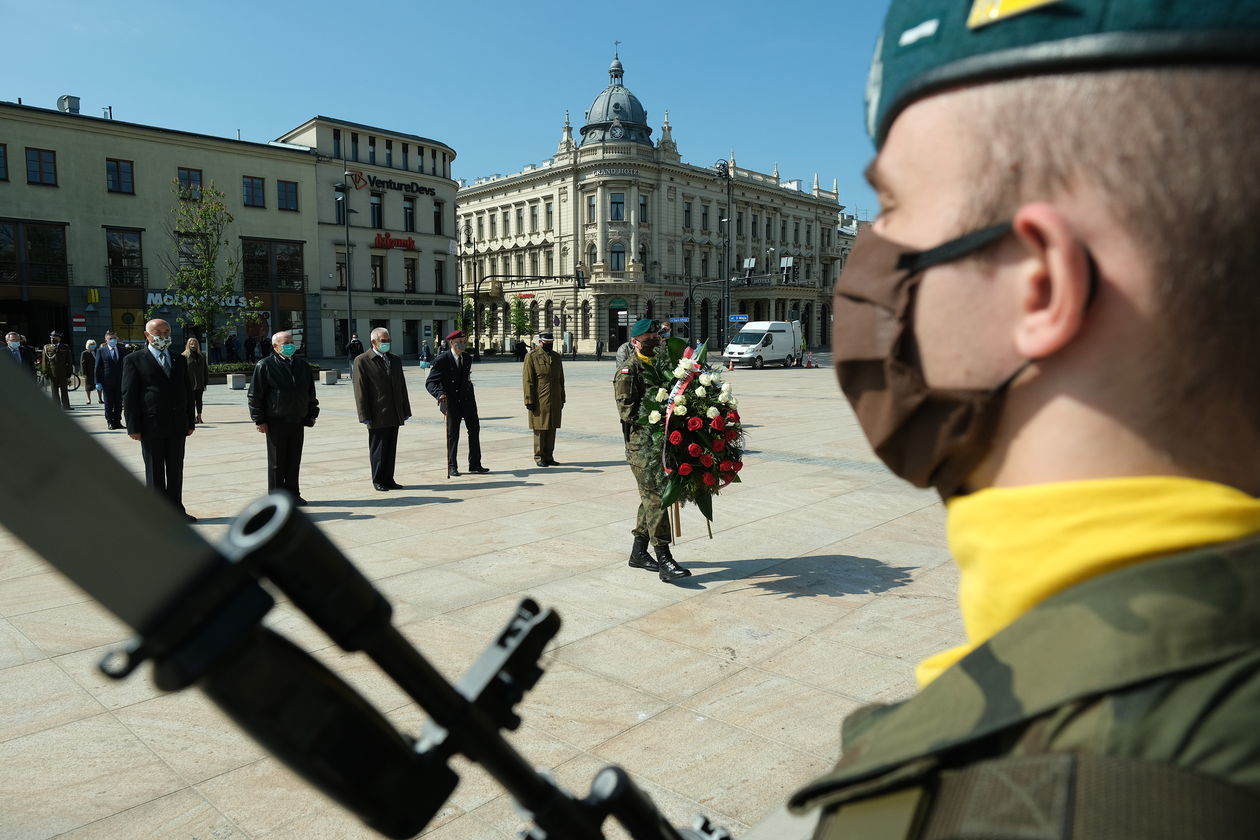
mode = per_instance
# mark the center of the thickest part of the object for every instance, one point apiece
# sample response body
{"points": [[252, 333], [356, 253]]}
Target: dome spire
{"points": [[615, 70]]}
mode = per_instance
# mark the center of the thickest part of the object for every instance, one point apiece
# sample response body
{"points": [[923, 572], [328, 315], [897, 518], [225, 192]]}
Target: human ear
{"points": [[1055, 281]]}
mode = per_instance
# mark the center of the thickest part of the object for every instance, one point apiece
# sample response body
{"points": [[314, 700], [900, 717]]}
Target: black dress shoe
{"points": [[300, 502], [553, 463], [394, 485], [480, 470], [540, 463], [452, 472], [379, 486], [668, 566]]}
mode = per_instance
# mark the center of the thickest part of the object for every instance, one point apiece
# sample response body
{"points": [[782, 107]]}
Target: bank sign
{"points": [[160, 299]]}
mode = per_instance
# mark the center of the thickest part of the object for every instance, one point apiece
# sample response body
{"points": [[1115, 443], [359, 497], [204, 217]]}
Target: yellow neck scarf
{"points": [[1017, 546]]}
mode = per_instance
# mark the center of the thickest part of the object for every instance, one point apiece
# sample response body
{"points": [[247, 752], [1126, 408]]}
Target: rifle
{"points": [[197, 612]]}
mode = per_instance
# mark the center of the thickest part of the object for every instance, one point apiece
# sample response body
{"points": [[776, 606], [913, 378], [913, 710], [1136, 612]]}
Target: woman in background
{"points": [[198, 371], [87, 370]]}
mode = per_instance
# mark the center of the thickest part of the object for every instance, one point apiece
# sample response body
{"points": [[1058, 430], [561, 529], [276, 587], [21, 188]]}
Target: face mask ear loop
{"points": [[954, 249]]}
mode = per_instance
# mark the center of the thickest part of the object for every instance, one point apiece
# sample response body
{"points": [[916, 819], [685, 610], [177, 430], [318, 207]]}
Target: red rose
{"points": [[731, 434], [675, 437], [684, 469], [726, 479], [733, 416], [706, 460], [725, 466], [719, 445], [739, 465], [694, 424], [709, 480], [694, 450], [718, 424]]}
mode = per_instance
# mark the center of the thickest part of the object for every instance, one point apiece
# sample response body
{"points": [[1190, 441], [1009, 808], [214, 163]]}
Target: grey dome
{"points": [[616, 106]]}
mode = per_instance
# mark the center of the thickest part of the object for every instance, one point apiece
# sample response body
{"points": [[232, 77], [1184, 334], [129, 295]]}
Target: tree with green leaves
{"points": [[520, 317], [203, 267]]}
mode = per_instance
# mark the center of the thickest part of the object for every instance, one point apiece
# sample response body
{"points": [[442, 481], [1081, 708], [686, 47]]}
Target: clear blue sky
{"points": [[775, 82]]}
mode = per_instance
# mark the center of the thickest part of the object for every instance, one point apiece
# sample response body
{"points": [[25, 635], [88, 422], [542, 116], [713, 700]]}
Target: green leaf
{"points": [[705, 502], [673, 486]]}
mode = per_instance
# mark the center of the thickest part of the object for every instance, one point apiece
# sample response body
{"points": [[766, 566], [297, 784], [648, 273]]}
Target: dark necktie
{"points": [[166, 364]]}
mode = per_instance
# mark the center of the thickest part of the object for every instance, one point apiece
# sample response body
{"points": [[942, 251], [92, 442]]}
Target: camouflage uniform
{"points": [[1158, 662], [628, 387]]}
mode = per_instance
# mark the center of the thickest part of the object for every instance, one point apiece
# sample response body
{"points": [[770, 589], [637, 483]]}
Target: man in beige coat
{"points": [[542, 378]]}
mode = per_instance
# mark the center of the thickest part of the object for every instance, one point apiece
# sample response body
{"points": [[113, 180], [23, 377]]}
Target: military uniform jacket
{"points": [[542, 379], [628, 388], [55, 363], [451, 377], [1159, 662]]}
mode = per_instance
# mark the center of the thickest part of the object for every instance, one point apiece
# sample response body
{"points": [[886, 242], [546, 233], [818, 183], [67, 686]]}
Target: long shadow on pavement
{"points": [[829, 575]]}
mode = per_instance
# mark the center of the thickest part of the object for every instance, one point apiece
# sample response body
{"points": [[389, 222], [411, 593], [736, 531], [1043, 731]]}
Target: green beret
{"points": [[929, 45], [643, 326]]}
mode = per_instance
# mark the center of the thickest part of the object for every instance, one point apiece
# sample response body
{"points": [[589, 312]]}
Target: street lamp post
{"points": [[343, 195], [722, 169], [465, 236]]}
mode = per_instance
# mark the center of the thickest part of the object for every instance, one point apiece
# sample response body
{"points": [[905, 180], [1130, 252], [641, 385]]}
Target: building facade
{"points": [[87, 240], [649, 235]]}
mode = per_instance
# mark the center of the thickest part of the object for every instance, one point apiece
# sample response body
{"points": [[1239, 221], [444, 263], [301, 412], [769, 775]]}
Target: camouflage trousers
{"points": [[653, 520]]}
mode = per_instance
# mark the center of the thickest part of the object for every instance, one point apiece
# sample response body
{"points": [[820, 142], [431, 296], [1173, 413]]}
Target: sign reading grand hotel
{"points": [[633, 173], [162, 299], [360, 181]]}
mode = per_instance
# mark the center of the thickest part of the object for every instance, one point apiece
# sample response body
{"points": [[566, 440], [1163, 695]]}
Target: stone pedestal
{"points": [[237, 381]]}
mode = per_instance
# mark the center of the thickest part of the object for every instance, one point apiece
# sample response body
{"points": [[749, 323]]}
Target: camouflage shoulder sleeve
{"points": [[628, 392]]}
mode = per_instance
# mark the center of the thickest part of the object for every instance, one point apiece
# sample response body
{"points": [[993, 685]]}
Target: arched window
{"points": [[533, 315], [591, 254], [618, 256], [586, 319]]}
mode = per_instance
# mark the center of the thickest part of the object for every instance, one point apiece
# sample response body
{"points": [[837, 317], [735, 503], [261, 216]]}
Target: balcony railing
{"points": [[132, 276], [282, 281], [36, 274]]}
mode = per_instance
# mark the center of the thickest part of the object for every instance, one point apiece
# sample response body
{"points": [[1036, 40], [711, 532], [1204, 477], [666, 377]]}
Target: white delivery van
{"points": [[764, 342]]}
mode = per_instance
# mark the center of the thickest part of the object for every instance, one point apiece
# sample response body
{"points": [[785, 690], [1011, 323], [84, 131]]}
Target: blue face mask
{"points": [[384, 346], [113, 342], [14, 345], [289, 349]]}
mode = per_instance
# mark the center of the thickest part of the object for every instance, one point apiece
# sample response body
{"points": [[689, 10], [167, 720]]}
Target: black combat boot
{"points": [[639, 557], [668, 566]]}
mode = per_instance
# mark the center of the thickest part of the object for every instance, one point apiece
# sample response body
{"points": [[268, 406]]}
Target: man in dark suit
{"points": [[450, 383], [282, 404], [109, 371], [158, 400], [380, 393], [20, 353]]}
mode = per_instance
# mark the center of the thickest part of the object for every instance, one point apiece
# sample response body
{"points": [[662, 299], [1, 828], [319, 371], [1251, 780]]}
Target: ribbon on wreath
{"points": [[690, 356]]}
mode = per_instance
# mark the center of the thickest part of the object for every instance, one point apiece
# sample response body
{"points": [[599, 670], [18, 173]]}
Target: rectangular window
{"points": [[272, 264], [34, 253], [494, 226], [704, 217], [420, 159], [119, 176], [354, 145], [550, 215], [551, 263], [389, 152], [124, 260], [439, 210], [371, 149], [4, 162], [520, 220], [409, 214], [252, 191], [341, 271], [439, 277], [481, 226], [406, 156], [617, 208], [739, 223], [783, 230], [287, 195], [687, 214], [378, 273], [533, 263], [377, 211], [507, 223], [704, 265], [768, 228], [189, 183], [756, 225], [687, 263], [796, 233], [590, 209], [339, 201], [643, 217], [336, 143], [41, 167], [433, 161], [533, 218], [409, 274]]}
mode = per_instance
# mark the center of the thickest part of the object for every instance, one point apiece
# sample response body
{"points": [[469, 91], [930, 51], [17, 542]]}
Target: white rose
{"points": [[654, 417], [661, 394], [680, 400], [680, 372], [705, 379], [712, 412], [734, 403], [680, 409], [700, 392], [726, 387]]}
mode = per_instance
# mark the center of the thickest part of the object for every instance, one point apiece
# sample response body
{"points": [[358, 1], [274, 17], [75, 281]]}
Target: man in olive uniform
{"points": [[56, 365], [1018, 330], [652, 523], [542, 379]]}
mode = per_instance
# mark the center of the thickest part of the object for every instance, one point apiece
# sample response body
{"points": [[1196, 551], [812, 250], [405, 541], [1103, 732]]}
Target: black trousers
{"points": [[382, 451], [60, 391], [164, 466], [284, 455], [113, 404], [467, 414]]}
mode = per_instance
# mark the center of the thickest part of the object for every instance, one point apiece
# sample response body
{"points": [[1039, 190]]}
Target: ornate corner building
{"points": [[615, 227]]}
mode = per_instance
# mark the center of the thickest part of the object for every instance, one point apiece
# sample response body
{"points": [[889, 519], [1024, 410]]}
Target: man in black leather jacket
{"points": [[282, 404]]}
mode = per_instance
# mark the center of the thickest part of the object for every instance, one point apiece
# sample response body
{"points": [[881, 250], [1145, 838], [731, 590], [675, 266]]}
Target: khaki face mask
{"points": [[930, 437]]}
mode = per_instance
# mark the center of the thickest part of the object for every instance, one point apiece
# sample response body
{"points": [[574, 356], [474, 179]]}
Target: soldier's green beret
{"points": [[929, 45], [642, 327]]}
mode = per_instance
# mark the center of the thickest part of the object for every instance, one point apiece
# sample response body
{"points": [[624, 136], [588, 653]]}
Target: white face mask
{"points": [[161, 342]]}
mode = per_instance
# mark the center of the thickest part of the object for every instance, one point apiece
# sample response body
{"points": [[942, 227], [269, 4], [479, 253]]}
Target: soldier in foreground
{"points": [[1019, 330], [652, 523]]}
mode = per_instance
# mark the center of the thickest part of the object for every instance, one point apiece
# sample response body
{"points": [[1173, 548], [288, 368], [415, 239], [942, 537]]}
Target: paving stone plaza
{"points": [[825, 582]]}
